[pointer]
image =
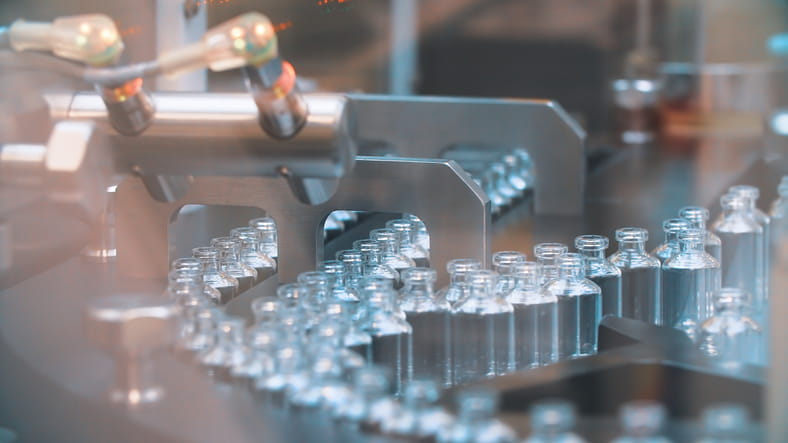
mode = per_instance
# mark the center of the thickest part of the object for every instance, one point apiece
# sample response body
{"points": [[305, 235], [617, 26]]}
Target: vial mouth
{"points": [[291, 291], [367, 246], [550, 250], [265, 305], [692, 235], [332, 266], [643, 416], [507, 257], [400, 224], [205, 252], [733, 201], [731, 297], [245, 233], [462, 266], [482, 278], [570, 261], [553, 414], [313, 278], [384, 235], [263, 224], [187, 263], [676, 225], [373, 283], [419, 275], [591, 242], [747, 191], [349, 255], [695, 214], [631, 235], [225, 243]]}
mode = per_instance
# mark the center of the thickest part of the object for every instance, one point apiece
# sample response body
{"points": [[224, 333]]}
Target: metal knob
{"points": [[132, 328]]}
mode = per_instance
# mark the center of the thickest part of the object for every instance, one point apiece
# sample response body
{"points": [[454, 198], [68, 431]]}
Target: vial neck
{"points": [[572, 273], [594, 254], [420, 289], [691, 246], [671, 237], [210, 265], [632, 247]]}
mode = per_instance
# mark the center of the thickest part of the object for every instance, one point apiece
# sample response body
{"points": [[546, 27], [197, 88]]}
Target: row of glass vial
{"points": [[235, 263]]}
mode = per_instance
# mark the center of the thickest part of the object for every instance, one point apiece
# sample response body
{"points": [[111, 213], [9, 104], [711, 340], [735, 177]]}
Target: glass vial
{"points": [[373, 263], [751, 194], [226, 284], [689, 281], [195, 265], [268, 243], [699, 216], [230, 262], [420, 416], [410, 240], [641, 422], [730, 335], [476, 422], [741, 237], [502, 262], [641, 296], [600, 271], [779, 215], [390, 249], [482, 328], [546, 254], [227, 351], [429, 317], [535, 318], [353, 260], [579, 307], [552, 421], [458, 270], [670, 246], [392, 337], [251, 255]]}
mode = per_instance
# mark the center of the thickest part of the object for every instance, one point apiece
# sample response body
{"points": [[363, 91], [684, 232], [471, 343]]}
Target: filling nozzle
{"points": [[282, 109]]}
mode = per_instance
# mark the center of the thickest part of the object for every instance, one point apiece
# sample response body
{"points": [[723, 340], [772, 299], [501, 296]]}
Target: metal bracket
{"points": [[422, 127], [455, 210]]}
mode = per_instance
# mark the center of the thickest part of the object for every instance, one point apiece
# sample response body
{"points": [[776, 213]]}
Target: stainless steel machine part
{"points": [[455, 210], [132, 327], [422, 127]]}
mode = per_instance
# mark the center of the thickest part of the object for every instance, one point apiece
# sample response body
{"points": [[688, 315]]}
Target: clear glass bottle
{"points": [[353, 260], [373, 264], [370, 404], [421, 236], [337, 284], [420, 416], [195, 265], [190, 305], [184, 283], [392, 337], [641, 294], [356, 341], [476, 422], [315, 297], [250, 253], [579, 307], [778, 212], [482, 326], [258, 361], [226, 284], [502, 262], [670, 246], [227, 351], [689, 281], [192, 344], [546, 254], [730, 335], [265, 311], [642, 422], [552, 421], [751, 193], [429, 316], [268, 243], [727, 423], [230, 262], [741, 237], [699, 216], [390, 254], [290, 375], [458, 270], [293, 315], [601, 271], [409, 244], [326, 387], [535, 318]]}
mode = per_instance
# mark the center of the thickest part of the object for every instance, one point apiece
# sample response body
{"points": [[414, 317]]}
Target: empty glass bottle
{"points": [[699, 216], [353, 260], [730, 335], [741, 237], [689, 281], [641, 422], [337, 284], [316, 296], [476, 422], [429, 317], [195, 339], [535, 318], [230, 262], [184, 283], [641, 295], [325, 387], [370, 404], [458, 270], [420, 416], [579, 302], [670, 246], [552, 421], [482, 327], [502, 262], [421, 236], [727, 423], [290, 375], [226, 284], [227, 351], [268, 242], [265, 311], [258, 360], [546, 254], [751, 194], [600, 271], [356, 341], [373, 264], [409, 238], [250, 253], [390, 250], [392, 337], [195, 265], [187, 341]]}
